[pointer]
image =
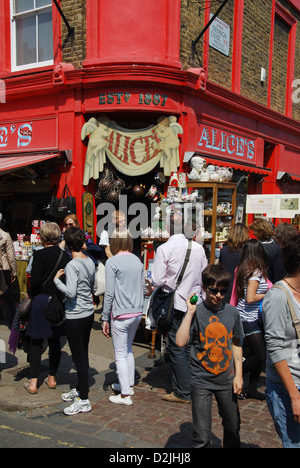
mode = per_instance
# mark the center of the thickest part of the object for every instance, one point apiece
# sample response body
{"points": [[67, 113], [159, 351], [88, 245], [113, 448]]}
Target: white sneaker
{"points": [[117, 388], [121, 401], [70, 396], [79, 406]]}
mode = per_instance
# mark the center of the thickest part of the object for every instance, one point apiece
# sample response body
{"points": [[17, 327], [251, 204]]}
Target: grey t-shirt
{"points": [[124, 286], [79, 288], [212, 365], [280, 335]]}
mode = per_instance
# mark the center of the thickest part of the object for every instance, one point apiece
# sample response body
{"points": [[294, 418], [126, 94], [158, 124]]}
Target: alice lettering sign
{"points": [[218, 142], [132, 152], [32, 135]]}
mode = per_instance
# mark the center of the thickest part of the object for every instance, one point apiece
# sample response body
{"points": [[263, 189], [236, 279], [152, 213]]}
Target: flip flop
{"points": [[52, 387], [32, 392]]}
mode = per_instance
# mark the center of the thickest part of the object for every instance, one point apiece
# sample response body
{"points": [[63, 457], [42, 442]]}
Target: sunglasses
{"points": [[69, 224], [215, 291]]}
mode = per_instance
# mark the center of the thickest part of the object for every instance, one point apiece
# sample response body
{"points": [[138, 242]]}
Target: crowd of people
{"points": [[240, 324]]}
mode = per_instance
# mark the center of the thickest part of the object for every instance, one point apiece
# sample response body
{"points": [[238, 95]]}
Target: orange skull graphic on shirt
{"points": [[216, 357]]}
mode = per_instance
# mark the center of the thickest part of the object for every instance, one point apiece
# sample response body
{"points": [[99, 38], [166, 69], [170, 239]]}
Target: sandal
{"points": [[52, 387], [32, 392]]}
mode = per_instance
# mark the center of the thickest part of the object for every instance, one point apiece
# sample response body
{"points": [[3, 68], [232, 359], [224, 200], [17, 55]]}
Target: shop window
{"points": [[31, 33]]}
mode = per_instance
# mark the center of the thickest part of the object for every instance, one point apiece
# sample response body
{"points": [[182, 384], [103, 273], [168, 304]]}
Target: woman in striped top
{"points": [[252, 285]]}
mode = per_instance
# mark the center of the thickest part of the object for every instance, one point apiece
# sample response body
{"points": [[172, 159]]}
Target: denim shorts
{"points": [[279, 404], [253, 327]]}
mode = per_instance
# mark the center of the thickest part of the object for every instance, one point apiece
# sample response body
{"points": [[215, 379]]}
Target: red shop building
{"points": [[130, 107]]}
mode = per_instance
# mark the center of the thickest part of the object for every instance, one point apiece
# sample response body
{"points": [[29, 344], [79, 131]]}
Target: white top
{"points": [[168, 262]]}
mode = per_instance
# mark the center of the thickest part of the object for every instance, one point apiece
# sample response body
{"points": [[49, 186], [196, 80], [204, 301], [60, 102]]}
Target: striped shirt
{"points": [[250, 312]]}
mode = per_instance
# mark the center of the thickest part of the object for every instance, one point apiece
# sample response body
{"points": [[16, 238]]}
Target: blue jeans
{"points": [[180, 358], [279, 404], [202, 416]]}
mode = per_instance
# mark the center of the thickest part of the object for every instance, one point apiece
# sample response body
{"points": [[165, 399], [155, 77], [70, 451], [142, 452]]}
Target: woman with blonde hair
{"points": [[69, 221], [41, 288], [231, 252], [123, 306]]}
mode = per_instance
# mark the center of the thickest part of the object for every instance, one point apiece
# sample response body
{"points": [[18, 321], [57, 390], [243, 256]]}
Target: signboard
{"points": [[218, 142], [132, 152], [29, 135], [219, 36], [274, 206]]}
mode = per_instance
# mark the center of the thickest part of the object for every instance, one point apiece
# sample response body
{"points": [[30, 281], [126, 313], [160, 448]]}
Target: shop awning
{"points": [[15, 162], [294, 177], [238, 166]]}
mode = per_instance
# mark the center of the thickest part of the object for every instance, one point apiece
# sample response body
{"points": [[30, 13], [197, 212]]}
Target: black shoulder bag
{"points": [[162, 303], [55, 311]]}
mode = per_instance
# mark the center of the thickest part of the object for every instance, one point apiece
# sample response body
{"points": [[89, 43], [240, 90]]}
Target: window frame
{"points": [[13, 38], [291, 22]]}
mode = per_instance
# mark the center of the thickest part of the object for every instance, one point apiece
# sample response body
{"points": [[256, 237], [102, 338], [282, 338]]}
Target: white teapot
{"points": [[222, 174], [229, 173], [215, 176]]}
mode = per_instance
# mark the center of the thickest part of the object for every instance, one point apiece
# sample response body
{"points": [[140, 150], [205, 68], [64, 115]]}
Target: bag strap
{"points": [[66, 192], [186, 261], [56, 265], [295, 319]]}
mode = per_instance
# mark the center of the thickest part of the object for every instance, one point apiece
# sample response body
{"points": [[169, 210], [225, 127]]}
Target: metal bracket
{"points": [[71, 31], [206, 27]]}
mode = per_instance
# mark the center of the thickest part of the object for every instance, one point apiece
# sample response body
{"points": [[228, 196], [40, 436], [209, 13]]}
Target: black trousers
{"points": [[78, 335], [35, 355]]}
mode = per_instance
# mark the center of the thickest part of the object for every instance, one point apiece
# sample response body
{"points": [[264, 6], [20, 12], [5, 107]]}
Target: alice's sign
{"points": [[218, 142], [31, 135], [132, 152]]}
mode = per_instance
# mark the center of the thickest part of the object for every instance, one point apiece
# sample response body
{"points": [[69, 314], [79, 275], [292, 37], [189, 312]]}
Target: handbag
{"points": [[161, 305], [64, 205], [100, 279], [55, 311], [24, 308], [295, 319]]}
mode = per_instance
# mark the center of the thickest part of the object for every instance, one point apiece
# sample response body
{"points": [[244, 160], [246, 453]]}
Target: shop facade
{"points": [[130, 109], [255, 143]]}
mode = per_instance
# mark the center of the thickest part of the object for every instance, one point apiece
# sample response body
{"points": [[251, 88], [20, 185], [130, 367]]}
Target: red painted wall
{"points": [[133, 31]]}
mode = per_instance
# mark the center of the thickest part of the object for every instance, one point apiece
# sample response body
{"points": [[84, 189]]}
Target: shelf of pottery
{"points": [[206, 195]]}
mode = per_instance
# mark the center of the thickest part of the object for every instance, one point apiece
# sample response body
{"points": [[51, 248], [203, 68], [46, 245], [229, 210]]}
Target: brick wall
{"points": [[255, 49], [75, 12]]}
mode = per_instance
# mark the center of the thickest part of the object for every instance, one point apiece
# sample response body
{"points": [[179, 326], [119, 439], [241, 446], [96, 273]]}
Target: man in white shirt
{"points": [[167, 266]]}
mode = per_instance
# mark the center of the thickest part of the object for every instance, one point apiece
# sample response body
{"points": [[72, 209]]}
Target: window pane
{"points": [[41, 3], [23, 5], [26, 40], [45, 37]]}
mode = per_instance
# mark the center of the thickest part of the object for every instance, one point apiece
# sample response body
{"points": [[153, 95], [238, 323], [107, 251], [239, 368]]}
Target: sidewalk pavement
{"points": [[149, 423]]}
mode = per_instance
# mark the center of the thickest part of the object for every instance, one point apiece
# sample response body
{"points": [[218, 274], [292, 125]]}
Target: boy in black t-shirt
{"points": [[216, 358]]}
